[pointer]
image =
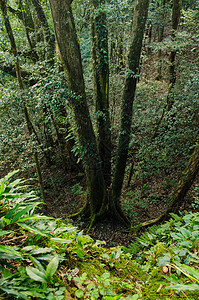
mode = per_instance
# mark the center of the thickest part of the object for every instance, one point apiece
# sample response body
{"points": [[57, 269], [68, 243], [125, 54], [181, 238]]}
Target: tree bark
{"points": [[160, 37], [138, 25], [29, 28], [172, 56], [20, 82], [101, 83], [183, 186], [185, 182], [49, 38], [66, 37]]}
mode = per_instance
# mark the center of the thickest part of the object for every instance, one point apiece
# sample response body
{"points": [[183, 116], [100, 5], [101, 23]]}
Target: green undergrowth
{"points": [[45, 258]]}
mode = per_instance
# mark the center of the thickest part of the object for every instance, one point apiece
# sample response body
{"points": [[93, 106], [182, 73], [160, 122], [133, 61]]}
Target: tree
{"points": [[21, 87], [49, 37], [101, 83], [185, 182], [100, 201], [172, 56]]}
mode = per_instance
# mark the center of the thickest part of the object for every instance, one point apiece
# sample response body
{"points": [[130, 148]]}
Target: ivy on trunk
{"points": [[101, 200]]}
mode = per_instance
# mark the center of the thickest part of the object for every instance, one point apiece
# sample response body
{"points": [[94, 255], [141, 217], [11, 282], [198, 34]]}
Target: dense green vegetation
{"points": [[100, 111], [43, 258]]}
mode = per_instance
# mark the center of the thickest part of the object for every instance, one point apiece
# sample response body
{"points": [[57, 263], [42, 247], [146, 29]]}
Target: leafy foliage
{"points": [[174, 247], [43, 258]]}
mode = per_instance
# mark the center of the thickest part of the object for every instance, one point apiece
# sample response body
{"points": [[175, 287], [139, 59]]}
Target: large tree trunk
{"points": [[101, 83], [139, 20], [66, 37], [71, 58]]}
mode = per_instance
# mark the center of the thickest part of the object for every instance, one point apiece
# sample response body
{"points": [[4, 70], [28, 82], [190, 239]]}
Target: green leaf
{"points": [[4, 232], [52, 267], [14, 292], [164, 260], [176, 217], [37, 263], [36, 275], [35, 217], [188, 271], [12, 212], [41, 251], [61, 241], [185, 232], [184, 287], [79, 293], [191, 271], [22, 212], [31, 229], [7, 177], [64, 229], [2, 188], [10, 250], [134, 297]]}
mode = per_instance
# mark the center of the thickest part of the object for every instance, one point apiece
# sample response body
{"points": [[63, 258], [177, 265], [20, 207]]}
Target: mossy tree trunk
{"points": [[138, 26], [101, 83], [172, 56], [29, 28], [185, 182], [183, 186], [160, 36], [49, 37], [64, 26], [24, 14], [66, 37], [3, 6]]}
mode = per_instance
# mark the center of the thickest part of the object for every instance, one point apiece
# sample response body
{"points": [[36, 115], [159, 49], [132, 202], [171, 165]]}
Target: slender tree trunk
{"points": [[160, 36], [185, 182], [183, 186], [101, 83], [149, 30], [28, 23], [139, 20], [49, 38], [47, 134], [65, 143], [20, 82], [24, 14], [172, 69], [172, 56]]}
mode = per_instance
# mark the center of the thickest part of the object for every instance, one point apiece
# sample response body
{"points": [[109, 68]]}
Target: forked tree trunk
{"points": [[101, 83], [64, 26], [138, 25]]}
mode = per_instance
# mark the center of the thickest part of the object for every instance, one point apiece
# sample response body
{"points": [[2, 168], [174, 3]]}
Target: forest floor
{"points": [[70, 197]]}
